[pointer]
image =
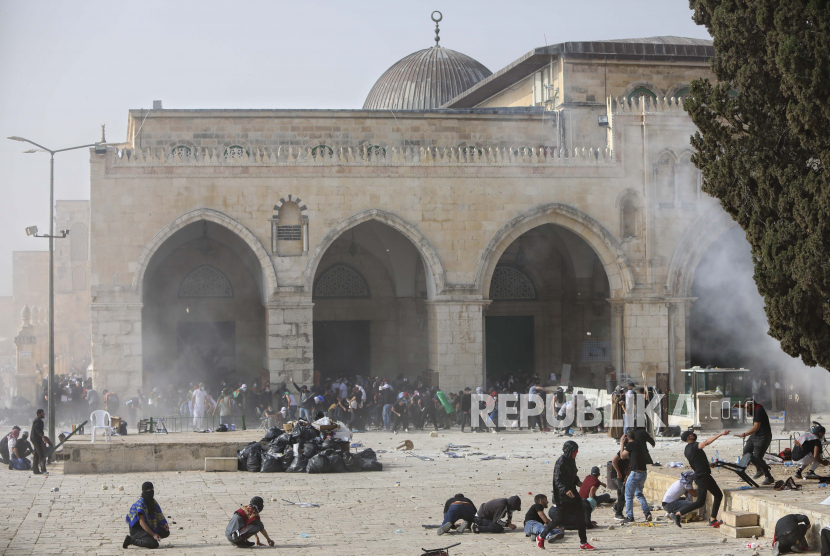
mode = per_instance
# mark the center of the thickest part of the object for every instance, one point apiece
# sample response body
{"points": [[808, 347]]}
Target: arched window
{"points": [[78, 279], [642, 91], [235, 151], [341, 281], [630, 218], [511, 284], [78, 242], [664, 178], [686, 179], [181, 152], [206, 281], [683, 92], [289, 230]]}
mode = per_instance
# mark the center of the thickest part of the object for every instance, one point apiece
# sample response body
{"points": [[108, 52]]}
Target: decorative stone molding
{"points": [[289, 156], [216, 217], [646, 105]]}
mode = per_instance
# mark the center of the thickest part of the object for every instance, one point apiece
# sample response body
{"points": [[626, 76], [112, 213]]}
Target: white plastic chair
{"points": [[100, 419]]}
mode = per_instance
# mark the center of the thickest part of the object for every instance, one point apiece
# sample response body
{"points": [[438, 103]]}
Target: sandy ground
{"points": [[359, 513]]}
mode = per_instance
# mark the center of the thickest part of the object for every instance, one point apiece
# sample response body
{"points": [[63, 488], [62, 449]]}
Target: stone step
{"points": [[221, 464], [739, 519], [742, 532]]}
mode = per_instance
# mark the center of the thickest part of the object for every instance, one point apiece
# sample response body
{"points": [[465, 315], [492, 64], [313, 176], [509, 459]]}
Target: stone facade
{"points": [[430, 203]]}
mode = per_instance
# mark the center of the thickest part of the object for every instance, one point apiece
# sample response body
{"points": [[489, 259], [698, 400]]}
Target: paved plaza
{"points": [[360, 513]]}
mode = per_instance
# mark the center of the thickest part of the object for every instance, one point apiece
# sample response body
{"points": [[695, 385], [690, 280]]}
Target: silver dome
{"points": [[425, 79]]}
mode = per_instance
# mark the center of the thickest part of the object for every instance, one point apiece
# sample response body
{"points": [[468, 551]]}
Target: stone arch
{"points": [[604, 244], [209, 215], [692, 246], [428, 254], [678, 90], [642, 87]]}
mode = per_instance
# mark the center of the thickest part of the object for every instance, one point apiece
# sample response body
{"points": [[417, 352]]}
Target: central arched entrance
{"points": [[369, 292], [203, 316], [549, 311]]}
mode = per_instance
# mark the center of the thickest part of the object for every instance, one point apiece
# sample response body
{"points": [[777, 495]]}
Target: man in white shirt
{"points": [[197, 402], [630, 407], [344, 390], [674, 500]]}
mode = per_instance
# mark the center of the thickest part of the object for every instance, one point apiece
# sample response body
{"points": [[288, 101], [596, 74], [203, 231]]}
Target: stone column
{"points": [[291, 341], [456, 342], [116, 347], [646, 337], [617, 338], [26, 379]]}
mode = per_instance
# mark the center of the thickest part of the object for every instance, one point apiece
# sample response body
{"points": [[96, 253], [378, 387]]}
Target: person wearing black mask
{"points": [[565, 489], [146, 521], [245, 523], [760, 437]]}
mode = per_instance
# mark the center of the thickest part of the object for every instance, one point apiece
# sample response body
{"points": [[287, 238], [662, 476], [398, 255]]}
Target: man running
{"points": [[703, 477], [146, 521], [760, 437], [245, 523]]}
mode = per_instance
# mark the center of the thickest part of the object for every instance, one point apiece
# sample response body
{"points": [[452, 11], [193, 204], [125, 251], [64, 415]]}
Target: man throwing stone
{"points": [[245, 523], [760, 437], [146, 521]]}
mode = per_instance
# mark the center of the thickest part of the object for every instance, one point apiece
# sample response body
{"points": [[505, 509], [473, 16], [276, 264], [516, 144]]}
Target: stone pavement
{"points": [[359, 513]]}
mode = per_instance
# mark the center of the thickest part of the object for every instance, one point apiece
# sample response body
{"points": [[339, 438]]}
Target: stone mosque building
{"points": [[464, 222]]}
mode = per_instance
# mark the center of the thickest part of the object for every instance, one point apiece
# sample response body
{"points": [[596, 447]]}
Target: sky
{"points": [[68, 67]]}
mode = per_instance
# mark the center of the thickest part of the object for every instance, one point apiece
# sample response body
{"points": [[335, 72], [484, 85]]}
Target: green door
{"points": [[509, 347]]}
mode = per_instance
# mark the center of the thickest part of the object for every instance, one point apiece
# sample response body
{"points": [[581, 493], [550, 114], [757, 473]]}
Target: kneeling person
{"points": [[790, 533], [537, 523], [495, 515], [245, 523], [674, 500], [146, 521], [458, 508]]}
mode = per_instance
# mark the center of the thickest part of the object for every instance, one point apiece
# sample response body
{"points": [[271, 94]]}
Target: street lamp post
{"points": [[52, 236]]}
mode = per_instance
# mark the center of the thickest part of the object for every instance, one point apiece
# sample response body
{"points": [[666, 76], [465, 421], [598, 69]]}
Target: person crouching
{"points": [[146, 520], [245, 523]]}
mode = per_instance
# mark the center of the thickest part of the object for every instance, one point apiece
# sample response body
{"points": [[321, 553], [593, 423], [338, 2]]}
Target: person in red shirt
{"points": [[245, 523], [588, 490]]}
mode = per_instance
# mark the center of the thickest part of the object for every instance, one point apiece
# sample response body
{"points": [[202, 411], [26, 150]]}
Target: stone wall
{"points": [[104, 457]]}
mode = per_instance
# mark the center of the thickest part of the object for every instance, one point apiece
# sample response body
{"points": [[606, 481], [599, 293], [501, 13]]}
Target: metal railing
{"points": [[187, 423]]}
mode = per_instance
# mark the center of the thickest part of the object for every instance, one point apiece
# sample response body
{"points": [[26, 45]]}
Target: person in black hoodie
{"points": [[566, 489], [466, 404], [495, 515], [790, 533]]}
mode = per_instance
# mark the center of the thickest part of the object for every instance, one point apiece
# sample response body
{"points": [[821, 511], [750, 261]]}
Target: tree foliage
{"points": [[763, 147]]}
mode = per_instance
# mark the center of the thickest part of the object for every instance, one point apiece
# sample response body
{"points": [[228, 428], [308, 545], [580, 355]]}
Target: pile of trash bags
{"points": [[306, 449]]}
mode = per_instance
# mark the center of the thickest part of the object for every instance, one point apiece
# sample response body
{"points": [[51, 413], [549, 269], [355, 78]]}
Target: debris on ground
{"points": [[407, 445]]}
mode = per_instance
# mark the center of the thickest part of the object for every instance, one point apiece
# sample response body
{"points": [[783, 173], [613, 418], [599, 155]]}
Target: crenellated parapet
{"points": [[645, 104]]}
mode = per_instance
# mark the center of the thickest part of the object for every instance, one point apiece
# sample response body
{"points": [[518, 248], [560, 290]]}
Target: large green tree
{"points": [[763, 147]]}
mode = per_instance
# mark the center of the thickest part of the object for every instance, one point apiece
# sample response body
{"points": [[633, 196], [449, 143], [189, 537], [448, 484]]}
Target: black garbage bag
{"points": [[351, 461], [251, 446], [271, 463], [241, 460], [298, 465], [309, 449], [254, 460], [302, 434], [368, 453], [337, 463], [370, 465], [327, 444], [318, 464], [272, 433], [287, 458]]}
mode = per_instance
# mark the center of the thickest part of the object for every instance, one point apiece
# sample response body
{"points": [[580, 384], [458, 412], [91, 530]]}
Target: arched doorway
{"points": [[203, 315], [549, 310], [369, 291]]}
